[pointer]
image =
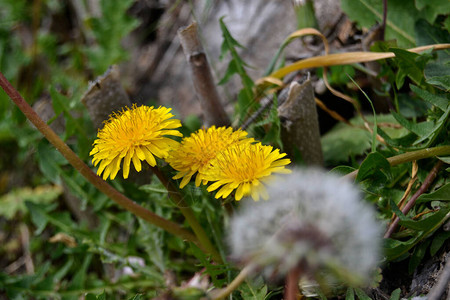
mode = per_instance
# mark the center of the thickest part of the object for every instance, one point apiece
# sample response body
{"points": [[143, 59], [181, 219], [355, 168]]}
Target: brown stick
{"points": [[214, 113], [300, 125], [425, 185]]}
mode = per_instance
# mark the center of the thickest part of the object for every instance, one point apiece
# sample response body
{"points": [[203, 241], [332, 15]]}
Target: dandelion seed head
{"points": [[134, 135], [312, 219]]}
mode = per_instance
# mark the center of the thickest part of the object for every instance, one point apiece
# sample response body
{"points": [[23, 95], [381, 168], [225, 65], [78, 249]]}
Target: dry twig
{"points": [[214, 113]]}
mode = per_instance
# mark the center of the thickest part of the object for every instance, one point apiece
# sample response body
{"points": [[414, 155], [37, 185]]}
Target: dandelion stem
{"points": [[222, 293], [410, 156], [188, 213], [292, 279], [87, 173]]}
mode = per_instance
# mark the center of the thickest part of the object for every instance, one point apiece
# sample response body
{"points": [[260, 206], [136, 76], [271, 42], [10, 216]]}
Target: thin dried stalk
{"points": [[213, 111]]}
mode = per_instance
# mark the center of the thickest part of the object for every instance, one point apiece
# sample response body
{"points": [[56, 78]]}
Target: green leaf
{"points": [[273, 136], [395, 249], [38, 216], [79, 279], [306, 17], [229, 43], [60, 103], [432, 8], [425, 130], [396, 294], [438, 240], [350, 294], [438, 74], [421, 129], [417, 256], [343, 142], [438, 101], [14, 201], [101, 296], [430, 221], [74, 182], [64, 270], [255, 290], [49, 161], [427, 34], [410, 64], [372, 164], [445, 159], [90, 296], [442, 194], [109, 29], [400, 18], [361, 294], [438, 127], [402, 142], [395, 209], [245, 104], [229, 72], [237, 66], [214, 271], [342, 170]]}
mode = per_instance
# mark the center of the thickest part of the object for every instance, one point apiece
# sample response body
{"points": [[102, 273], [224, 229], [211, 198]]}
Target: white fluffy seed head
{"points": [[313, 220]]}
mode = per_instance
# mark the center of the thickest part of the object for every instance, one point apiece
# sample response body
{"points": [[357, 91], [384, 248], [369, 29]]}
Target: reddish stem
{"points": [[291, 291], [84, 170], [425, 185]]}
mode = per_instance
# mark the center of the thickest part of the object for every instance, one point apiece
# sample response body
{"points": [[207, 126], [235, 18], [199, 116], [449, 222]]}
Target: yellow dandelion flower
{"points": [[135, 134], [245, 168], [194, 152]]}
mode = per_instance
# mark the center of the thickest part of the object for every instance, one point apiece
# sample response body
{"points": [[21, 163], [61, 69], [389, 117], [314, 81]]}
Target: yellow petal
{"points": [[185, 181], [136, 163]]}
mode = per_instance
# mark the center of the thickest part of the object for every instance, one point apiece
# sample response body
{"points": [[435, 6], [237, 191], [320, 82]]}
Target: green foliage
{"points": [[401, 17], [14, 202], [106, 251], [255, 290], [109, 30], [245, 101], [411, 65], [345, 142]]}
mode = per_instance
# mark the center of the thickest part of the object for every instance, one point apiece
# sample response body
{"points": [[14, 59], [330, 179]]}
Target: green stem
{"points": [[84, 170], [223, 293], [189, 215], [419, 154], [410, 156]]}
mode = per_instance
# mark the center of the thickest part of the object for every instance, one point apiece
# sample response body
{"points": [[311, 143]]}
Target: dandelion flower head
{"points": [[244, 168], [194, 153], [134, 134], [312, 219]]}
